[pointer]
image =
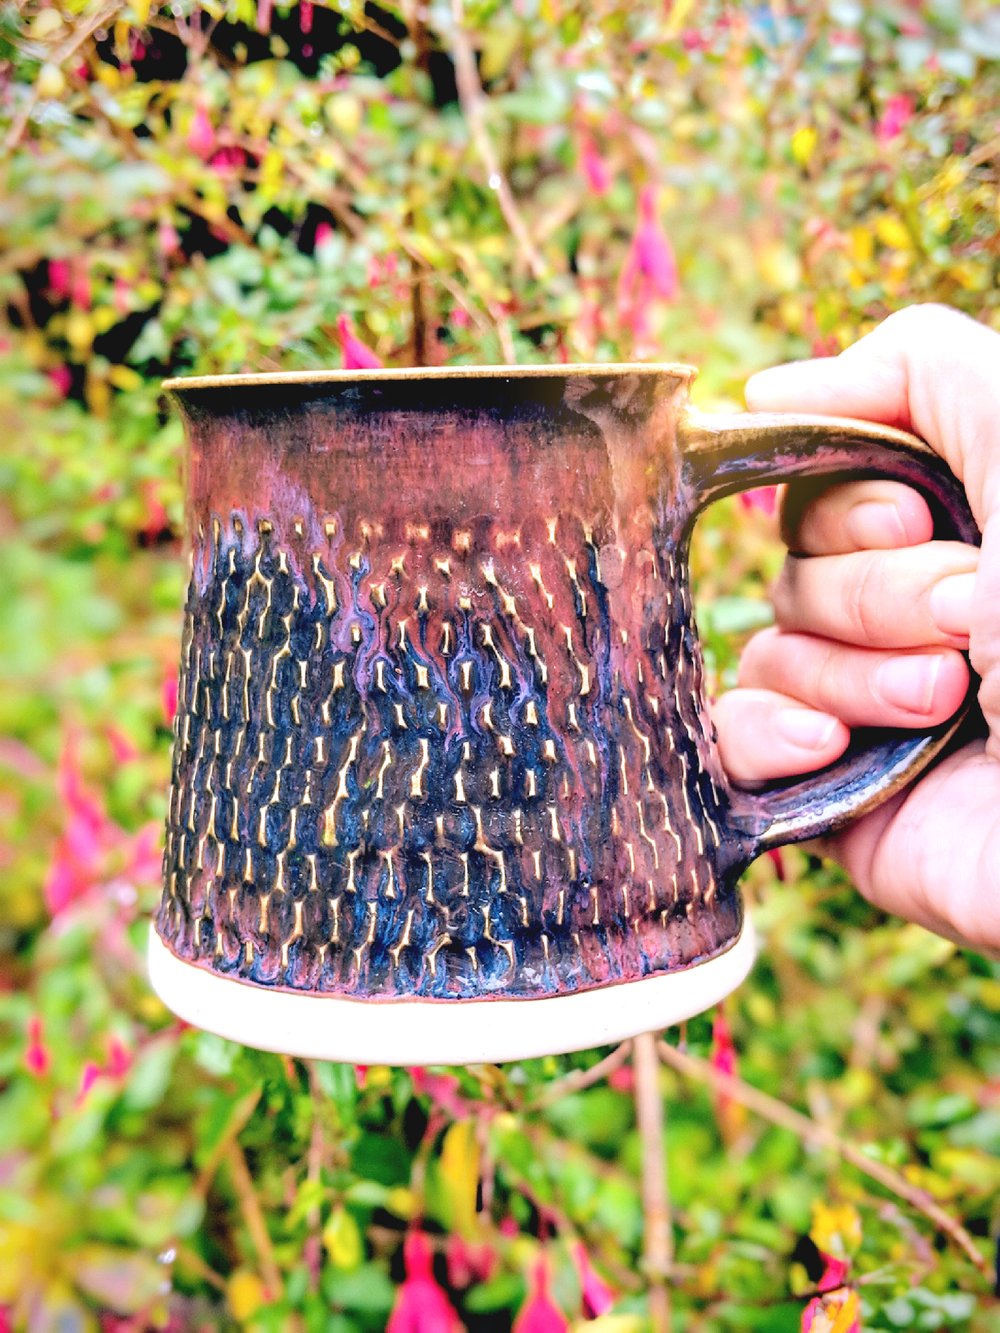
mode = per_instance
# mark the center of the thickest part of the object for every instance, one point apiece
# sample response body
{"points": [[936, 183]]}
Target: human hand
{"points": [[871, 615]]}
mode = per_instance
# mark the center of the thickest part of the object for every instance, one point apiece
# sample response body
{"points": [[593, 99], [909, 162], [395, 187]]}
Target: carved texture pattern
{"points": [[430, 762]]}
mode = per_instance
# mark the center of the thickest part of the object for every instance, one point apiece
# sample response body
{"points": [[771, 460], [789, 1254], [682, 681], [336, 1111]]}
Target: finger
{"points": [[818, 519], [927, 368], [764, 735], [861, 686], [920, 596]]}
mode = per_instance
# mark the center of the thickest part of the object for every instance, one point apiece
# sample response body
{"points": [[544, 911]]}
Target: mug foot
{"points": [[440, 1032]]}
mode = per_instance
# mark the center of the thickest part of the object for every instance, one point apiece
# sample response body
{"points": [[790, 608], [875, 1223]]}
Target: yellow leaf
{"points": [[459, 1169], [244, 1294], [124, 377], [861, 244], [402, 1202], [836, 1228], [780, 267], [804, 144], [892, 232], [342, 1240], [79, 330]]}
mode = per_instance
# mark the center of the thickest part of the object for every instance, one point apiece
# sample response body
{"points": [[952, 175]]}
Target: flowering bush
{"points": [[251, 186]]}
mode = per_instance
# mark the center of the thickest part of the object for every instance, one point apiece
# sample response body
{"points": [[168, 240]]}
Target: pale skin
{"points": [[872, 617]]}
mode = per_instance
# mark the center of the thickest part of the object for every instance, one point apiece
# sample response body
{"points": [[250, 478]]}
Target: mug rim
{"points": [[610, 369]]}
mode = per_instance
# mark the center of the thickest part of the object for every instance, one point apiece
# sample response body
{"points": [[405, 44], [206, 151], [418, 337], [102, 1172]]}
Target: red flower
{"points": [[201, 135], [421, 1306], [357, 356], [37, 1056], [650, 269], [897, 115], [539, 1313], [598, 1297], [839, 1311], [764, 498], [778, 861]]}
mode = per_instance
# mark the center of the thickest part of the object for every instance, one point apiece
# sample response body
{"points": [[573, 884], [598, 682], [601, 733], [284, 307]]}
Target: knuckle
{"points": [[865, 598], [755, 658]]}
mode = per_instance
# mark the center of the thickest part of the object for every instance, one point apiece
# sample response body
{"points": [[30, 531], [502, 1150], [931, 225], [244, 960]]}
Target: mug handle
{"points": [[723, 454]]}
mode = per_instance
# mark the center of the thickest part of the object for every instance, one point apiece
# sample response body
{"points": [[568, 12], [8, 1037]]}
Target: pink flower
{"points": [[835, 1273], [468, 1262], [764, 498], [595, 168], [421, 1305], [305, 17], [729, 1114], [119, 1058], [263, 15], [539, 1314], [357, 356], [60, 278], [79, 851], [778, 861], [897, 115], [80, 293], [168, 697], [361, 1075], [167, 239], [598, 1297], [121, 747], [837, 1312], [650, 269], [324, 235], [62, 378], [91, 1073], [622, 1079], [201, 135], [123, 300], [37, 1056], [443, 1090]]}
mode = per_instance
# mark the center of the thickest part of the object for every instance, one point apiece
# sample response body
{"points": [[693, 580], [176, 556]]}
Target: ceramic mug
{"points": [[445, 789]]}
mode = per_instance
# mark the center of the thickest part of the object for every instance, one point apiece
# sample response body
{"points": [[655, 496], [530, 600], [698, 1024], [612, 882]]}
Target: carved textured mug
{"points": [[445, 788]]}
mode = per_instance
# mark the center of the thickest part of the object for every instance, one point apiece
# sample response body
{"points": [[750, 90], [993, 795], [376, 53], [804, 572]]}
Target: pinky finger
{"points": [[764, 735]]}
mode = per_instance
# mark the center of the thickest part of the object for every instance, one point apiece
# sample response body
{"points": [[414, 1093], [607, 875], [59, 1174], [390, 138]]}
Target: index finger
{"points": [[823, 518]]}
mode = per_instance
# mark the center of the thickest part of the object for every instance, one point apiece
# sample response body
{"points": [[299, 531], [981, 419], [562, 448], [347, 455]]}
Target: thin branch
{"points": [[810, 1131], [657, 1233], [59, 58], [582, 1078], [472, 100], [254, 1216]]}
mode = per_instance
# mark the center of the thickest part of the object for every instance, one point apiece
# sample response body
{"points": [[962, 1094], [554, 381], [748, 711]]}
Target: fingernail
{"points": [[875, 523], [908, 682], [951, 604], [805, 729]]}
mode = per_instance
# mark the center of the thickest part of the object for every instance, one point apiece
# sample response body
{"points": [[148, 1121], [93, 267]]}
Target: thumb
{"points": [[936, 372]]}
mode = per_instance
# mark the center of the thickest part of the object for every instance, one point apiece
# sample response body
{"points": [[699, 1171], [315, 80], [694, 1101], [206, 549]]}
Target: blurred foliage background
{"points": [[233, 186]]}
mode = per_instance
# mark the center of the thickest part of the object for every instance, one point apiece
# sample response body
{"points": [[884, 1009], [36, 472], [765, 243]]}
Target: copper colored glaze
{"points": [[442, 730]]}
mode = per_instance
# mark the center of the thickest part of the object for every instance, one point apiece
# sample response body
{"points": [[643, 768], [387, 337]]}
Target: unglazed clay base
{"points": [[440, 1032]]}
